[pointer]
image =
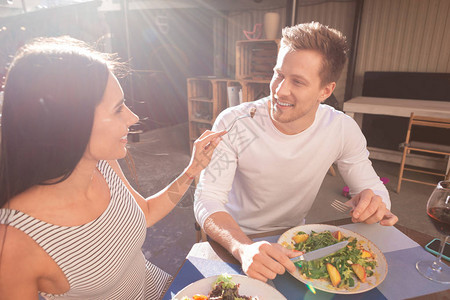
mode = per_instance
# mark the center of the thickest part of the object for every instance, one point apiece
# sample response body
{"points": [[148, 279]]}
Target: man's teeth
{"points": [[284, 104]]}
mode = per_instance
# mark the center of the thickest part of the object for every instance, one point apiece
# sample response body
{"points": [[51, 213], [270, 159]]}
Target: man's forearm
{"points": [[222, 228]]}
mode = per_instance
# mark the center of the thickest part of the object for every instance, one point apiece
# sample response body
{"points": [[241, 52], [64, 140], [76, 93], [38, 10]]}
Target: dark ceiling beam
{"points": [[222, 5], [36, 14], [244, 4]]}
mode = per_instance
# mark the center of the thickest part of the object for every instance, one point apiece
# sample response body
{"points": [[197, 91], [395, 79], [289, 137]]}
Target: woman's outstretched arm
{"points": [[160, 204]]}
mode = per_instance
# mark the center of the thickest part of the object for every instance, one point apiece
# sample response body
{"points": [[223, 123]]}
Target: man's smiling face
{"points": [[296, 89]]}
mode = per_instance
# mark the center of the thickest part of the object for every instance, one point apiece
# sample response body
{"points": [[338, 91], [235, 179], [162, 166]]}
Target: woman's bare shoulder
{"points": [[25, 267], [24, 200], [18, 264]]}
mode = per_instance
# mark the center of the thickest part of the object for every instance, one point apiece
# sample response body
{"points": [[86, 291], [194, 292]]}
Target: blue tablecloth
{"points": [[402, 281]]}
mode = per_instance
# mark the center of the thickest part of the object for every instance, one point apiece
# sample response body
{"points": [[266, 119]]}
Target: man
{"points": [[268, 169]]}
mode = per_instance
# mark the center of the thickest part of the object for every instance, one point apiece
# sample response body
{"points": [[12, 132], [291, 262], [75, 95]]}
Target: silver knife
{"points": [[322, 252]]}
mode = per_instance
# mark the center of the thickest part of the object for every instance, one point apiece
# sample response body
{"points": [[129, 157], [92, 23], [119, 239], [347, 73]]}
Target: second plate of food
{"points": [[247, 286], [359, 271]]}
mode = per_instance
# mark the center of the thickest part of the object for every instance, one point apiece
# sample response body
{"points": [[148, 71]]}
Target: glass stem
{"points": [[437, 263]]}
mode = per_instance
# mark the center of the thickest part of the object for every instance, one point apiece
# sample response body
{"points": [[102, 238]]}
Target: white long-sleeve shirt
{"points": [[267, 180]]}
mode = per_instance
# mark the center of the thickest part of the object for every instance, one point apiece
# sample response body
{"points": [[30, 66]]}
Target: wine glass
{"points": [[438, 209]]}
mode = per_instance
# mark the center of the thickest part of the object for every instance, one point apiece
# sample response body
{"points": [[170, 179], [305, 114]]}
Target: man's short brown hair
{"points": [[329, 42]]}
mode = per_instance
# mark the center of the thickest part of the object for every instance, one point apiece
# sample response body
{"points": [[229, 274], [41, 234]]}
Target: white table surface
{"points": [[395, 107]]}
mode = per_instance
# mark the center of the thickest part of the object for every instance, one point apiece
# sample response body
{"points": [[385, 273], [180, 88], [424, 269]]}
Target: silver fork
{"points": [[341, 206], [251, 114]]}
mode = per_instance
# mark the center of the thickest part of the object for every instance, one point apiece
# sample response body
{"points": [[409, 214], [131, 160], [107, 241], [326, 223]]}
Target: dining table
{"points": [[360, 106], [401, 246]]}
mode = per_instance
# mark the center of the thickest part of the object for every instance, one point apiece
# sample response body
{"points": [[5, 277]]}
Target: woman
{"points": [[73, 226]]}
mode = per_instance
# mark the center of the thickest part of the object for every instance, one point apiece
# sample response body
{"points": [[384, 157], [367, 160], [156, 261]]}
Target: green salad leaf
{"points": [[225, 281], [342, 259]]}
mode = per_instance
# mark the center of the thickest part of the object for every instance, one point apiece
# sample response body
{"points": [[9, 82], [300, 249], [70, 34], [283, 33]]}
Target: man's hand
{"points": [[264, 260], [369, 208]]}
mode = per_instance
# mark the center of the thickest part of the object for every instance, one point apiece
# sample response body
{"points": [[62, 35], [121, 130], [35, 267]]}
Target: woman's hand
{"points": [[202, 151]]}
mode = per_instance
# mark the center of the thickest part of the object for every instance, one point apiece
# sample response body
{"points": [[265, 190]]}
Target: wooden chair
{"points": [[417, 146], [200, 235], [332, 171]]}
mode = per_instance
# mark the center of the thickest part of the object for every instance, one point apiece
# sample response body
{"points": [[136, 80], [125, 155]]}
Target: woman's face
{"points": [[111, 122]]}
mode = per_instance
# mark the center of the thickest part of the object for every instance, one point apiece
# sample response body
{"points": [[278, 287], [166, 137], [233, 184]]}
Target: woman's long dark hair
{"points": [[52, 89]]}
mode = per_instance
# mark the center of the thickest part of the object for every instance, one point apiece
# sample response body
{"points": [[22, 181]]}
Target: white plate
{"points": [[325, 285], [248, 287]]}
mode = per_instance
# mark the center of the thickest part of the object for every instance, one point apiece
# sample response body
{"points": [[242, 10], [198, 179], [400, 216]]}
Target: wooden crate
{"points": [[196, 129], [199, 88], [207, 97], [255, 59], [255, 89]]}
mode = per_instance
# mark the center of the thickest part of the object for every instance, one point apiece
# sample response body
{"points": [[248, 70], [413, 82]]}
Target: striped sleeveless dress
{"points": [[103, 258]]}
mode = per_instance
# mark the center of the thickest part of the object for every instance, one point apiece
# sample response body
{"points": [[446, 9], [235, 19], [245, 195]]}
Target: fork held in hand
{"points": [[341, 206], [250, 114]]}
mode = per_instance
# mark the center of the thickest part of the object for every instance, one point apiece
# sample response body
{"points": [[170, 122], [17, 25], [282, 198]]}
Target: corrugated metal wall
{"points": [[403, 35], [339, 15], [396, 35]]}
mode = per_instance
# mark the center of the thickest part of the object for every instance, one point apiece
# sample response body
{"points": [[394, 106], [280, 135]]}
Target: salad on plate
{"points": [[343, 268], [358, 267], [223, 288]]}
